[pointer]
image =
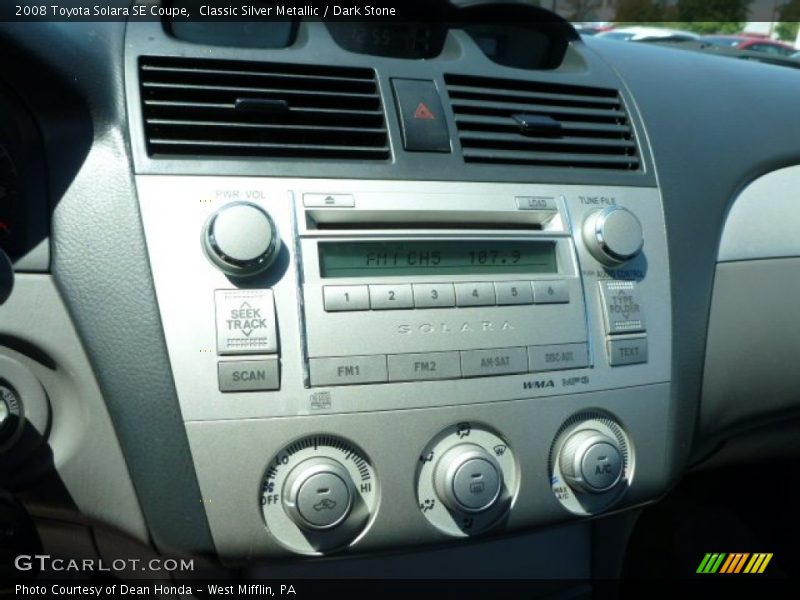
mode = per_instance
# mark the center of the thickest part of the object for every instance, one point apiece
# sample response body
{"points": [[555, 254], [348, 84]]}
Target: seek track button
{"points": [[245, 322]]}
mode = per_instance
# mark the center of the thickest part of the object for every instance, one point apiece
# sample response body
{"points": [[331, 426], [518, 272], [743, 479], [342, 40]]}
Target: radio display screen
{"points": [[415, 258]]}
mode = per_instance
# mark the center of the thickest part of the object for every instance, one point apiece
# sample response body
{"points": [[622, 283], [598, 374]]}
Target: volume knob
{"points": [[613, 235], [241, 239]]}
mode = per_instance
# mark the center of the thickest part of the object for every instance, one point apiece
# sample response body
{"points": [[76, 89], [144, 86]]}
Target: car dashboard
{"points": [[395, 295]]}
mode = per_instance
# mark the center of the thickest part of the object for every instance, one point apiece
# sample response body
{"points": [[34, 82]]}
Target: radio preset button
{"points": [[422, 367], [622, 307], [514, 292], [348, 370], [391, 296], [248, 375], [434, 295], [550, 292], [500, 361], [245, 322], [558, 357], [475, 294], [345, 297], [630, 351]]}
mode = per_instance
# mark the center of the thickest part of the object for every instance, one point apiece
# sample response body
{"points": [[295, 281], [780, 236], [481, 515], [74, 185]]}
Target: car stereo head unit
{"points": [[389, 362]]}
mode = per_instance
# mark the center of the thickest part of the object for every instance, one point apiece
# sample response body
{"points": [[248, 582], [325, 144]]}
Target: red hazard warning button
{"points": [[423, 112], [422, 119]]}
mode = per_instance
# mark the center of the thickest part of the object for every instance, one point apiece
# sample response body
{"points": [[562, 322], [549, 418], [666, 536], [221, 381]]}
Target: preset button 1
{"points": [[345, 297]]}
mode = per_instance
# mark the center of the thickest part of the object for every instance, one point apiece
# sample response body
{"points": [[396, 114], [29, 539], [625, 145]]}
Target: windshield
{"points": [[760, 30]]}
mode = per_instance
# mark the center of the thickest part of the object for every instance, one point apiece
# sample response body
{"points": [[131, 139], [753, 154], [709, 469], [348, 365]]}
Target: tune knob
{"points": [[613, 235], [468, 479], [241, 239]]}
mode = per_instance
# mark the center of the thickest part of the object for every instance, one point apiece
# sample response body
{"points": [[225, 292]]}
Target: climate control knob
{"points": [[468, 479], [613, 235], [591, 461], [318, 493], [241, 239]]}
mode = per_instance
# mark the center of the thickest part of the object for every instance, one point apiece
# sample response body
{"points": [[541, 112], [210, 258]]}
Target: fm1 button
{"points": [[601, 467]]}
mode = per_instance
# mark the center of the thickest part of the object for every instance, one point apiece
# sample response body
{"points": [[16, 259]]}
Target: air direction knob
{"points": [[468, 479], [241, 239]]}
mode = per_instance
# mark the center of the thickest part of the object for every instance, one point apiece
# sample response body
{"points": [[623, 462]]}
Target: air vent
{"points": [[512, 122], [200, 107]]}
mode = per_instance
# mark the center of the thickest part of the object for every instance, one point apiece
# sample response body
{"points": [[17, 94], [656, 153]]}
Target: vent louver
{"points": [[240, 109], [512, 122]]}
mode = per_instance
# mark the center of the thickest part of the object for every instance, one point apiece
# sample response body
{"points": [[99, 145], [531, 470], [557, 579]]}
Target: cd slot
{"points": [[428, 226], [354, 220]]}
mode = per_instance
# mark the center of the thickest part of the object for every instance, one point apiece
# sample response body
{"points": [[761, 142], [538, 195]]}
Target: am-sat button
{"points": [[501, 361]]}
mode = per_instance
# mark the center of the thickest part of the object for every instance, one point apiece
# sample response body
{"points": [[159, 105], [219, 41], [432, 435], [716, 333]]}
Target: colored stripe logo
{"points": [[735, 562]]}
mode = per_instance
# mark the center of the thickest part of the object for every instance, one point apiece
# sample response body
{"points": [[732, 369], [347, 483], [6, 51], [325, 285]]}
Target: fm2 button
{"points": [[245, 322]]}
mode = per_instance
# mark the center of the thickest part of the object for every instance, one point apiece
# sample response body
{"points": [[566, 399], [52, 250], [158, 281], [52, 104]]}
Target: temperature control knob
{"points": [[241, 239], [613, 235], [468, 479], [591, 461], [318, 493]]}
